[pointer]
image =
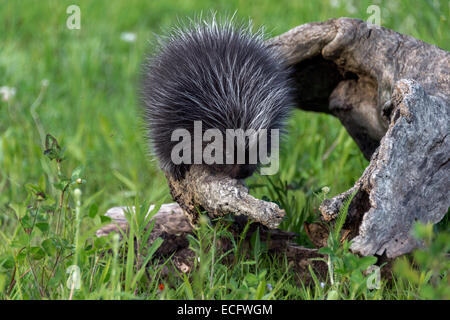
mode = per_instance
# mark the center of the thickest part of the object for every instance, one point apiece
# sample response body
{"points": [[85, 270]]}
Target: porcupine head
{"points": [[213, 94]]}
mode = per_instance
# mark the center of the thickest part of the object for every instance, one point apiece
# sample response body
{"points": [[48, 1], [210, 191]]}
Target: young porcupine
{"points": [[218, 73]]}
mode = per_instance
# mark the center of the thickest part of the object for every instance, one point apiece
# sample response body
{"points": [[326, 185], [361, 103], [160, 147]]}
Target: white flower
{"points": [[334, 3], [322, 285], [351, 8], [77, 193], [45, 82], [128, 36], [325, 190], [7, 93]]}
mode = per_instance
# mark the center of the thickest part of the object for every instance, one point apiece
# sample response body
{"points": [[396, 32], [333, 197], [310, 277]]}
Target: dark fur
{"points": [[221, 74]]}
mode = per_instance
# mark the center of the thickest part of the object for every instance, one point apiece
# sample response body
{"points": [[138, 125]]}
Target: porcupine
{"points": [[220, 73]]}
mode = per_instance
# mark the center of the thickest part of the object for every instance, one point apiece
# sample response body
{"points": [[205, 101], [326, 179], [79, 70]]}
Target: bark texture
{"points": [[348, 68], [221, 195], [392, 94]]}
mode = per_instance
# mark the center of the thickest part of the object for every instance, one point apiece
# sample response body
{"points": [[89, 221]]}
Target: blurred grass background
{"points": [[81, 86], [90, 104]]}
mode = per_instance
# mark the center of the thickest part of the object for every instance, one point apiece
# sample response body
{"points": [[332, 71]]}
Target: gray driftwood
{"points": [[220, 195], [391, 92]]}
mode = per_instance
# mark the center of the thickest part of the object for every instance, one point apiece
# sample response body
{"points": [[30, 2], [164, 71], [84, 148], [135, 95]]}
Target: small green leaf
{"points": [[49, 247], [357, 277], [260, 290], [251, 279], [62, 184], [52, 149], [365, 262], [93, 210], [42, 183], [27, 222], [76, 173], [19, 208], [100, 242], [36, 253], [104, 219], [7, 262], [21, 255], [43, 226]]}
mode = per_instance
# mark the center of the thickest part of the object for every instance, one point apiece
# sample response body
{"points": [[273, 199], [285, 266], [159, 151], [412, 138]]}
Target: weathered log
{"points": [[392, 94]]}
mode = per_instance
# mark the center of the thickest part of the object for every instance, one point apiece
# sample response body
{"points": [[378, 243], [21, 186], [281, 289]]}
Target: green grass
{"points": [[81, 87]]}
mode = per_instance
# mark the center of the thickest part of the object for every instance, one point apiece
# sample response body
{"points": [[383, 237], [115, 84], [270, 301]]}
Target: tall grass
{"points": [[81, 87]]}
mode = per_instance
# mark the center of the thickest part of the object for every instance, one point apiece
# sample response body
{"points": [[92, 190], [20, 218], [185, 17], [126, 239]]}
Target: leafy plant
{"points": [[428, 272], [346, 271]]}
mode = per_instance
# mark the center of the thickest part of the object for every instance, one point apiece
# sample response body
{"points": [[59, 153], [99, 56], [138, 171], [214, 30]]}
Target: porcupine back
{"points": [[218, 73]]}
